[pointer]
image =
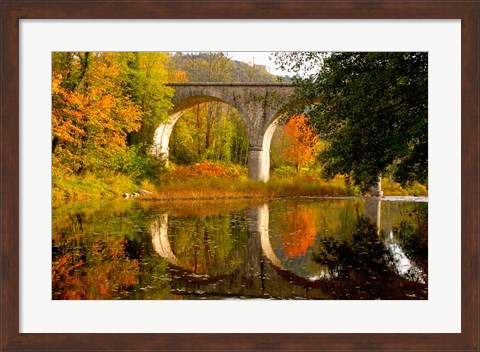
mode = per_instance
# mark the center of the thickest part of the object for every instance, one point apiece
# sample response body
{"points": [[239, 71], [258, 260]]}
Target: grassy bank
{"points": [[212, 188], [209, 181], [90, 187], [391, 188], [76, 188]]}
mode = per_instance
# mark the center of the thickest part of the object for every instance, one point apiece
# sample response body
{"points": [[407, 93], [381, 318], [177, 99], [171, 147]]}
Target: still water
{"points": [[282, 249]]}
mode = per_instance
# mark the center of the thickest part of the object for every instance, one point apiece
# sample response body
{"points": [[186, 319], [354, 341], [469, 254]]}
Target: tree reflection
{"points": [[364, 255], [92, 267], [89, 251], [300, 231], [413, 233], [366, 267], [207, 245]]}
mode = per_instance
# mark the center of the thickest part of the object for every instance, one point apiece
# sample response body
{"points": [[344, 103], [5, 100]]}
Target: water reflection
{"points": [[159, 231], [161, 244], [335, 249], [403, 265], [366, 264]]}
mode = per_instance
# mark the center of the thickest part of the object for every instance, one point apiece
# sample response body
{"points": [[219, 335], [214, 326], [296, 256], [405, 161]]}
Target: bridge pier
{"points": [[161, 137], [376, 191], [258, 164]]}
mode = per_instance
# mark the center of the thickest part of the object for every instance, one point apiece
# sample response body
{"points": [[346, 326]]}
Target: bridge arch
{"points": [[258, 243], [258, 104], [193, 97]]}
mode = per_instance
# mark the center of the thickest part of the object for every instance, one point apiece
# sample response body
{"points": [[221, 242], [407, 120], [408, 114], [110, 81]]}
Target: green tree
{"points": [[371, 108], [212, 129], [145, 75], [184, 142]]}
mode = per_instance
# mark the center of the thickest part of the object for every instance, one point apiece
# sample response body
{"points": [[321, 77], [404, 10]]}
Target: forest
{"points": [[107, 105]]}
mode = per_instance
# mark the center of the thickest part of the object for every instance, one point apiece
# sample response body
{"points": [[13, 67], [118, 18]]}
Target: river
{"points": [[351, 248]]}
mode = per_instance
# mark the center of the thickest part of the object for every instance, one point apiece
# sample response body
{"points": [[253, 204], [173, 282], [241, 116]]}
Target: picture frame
{"points": [[13, 11]]}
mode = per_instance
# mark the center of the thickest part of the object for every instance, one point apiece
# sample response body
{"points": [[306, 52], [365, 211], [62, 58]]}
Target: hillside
{"points": [[218, 67]]}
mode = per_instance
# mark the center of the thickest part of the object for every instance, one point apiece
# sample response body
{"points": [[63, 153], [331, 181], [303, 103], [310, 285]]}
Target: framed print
{"points": [[442, 314]]}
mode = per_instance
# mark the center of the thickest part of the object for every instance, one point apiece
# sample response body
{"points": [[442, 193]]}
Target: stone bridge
{"points": [[258, 104]]}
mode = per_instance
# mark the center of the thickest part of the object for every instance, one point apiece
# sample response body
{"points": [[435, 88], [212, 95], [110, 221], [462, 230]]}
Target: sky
{"points": [[263, 58], [257, 57]]}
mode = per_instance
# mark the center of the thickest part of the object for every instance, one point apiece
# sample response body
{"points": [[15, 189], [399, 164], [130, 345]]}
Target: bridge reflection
{"points": [[263, 272], [161, 244]]}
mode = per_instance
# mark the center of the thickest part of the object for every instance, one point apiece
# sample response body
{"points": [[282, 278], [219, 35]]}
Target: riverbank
{"points": [[205, 188], [89, 187]]}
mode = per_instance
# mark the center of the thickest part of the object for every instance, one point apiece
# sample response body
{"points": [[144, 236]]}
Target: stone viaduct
{"points": [[258, 104]]}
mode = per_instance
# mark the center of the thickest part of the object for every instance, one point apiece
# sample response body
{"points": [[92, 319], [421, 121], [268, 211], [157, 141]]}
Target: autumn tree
{"points": [[91, 116], [301, 142], [105, 108]]}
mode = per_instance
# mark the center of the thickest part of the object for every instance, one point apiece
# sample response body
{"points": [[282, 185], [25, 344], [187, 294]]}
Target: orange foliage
{"points": [[180, 77], [301, 230], [302, 142], [104, 273], [91, 117], [205, 170]]}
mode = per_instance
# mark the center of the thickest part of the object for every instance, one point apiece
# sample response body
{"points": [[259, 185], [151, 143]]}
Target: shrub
{"points": [[417, 189], [391, 188], [207, 170]]}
